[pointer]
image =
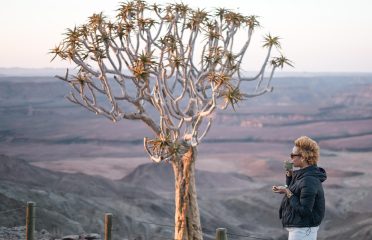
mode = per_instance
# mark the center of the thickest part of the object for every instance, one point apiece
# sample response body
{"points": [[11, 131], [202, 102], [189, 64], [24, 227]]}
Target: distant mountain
{"points": [[161, 177], [38, 124], [12, 169], [72, 203], [18, 71], [19, 171], [76, 203], [29, 72]]}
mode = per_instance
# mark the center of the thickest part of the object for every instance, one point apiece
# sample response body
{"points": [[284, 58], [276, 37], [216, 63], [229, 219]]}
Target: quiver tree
{"points": [[170, 67]]}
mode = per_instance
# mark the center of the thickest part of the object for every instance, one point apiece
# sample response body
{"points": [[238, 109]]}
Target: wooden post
{"points": [[30, 221], [221, 234], [108, 226]]}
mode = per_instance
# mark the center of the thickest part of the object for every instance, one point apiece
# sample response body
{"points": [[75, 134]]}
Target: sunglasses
{"points": [[295, 155]]}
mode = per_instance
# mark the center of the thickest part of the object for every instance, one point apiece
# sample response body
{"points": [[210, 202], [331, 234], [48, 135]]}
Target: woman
{"points": [[303, 205]]}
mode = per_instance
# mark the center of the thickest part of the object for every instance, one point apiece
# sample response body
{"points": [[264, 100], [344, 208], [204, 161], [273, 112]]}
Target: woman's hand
{"points": [[279, 189]]}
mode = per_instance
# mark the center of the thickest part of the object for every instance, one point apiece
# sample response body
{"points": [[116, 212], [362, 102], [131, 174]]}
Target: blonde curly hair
{"points": [[308, 149]]}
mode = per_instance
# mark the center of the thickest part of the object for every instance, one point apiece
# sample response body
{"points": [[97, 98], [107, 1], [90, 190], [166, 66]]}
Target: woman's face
{"points": [[296, 158]]}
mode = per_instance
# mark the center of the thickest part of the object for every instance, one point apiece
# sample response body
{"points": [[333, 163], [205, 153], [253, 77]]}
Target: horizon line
{"points": [[278, 72]]}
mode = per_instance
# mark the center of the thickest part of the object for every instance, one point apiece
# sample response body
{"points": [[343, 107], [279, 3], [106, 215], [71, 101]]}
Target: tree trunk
{"points": [[187, 217]]}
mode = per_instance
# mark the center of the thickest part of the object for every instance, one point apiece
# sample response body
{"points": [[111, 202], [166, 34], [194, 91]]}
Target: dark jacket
{"points": [[307, 205]]}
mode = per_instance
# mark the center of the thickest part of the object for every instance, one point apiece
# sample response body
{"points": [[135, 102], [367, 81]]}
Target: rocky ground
{"points": [[142, 202], [77, 167], [18, 233]]}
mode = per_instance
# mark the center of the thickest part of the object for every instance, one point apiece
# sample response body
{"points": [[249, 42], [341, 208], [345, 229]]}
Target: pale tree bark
{"points": [[187, 216]]}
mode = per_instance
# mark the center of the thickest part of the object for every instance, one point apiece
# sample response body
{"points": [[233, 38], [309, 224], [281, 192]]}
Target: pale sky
{"points": [[318, 35]]}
